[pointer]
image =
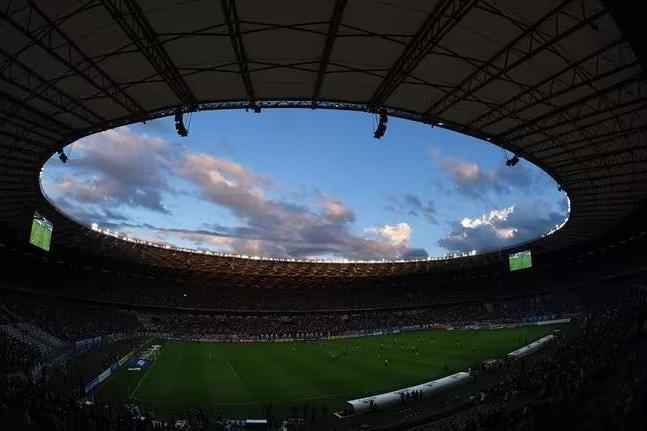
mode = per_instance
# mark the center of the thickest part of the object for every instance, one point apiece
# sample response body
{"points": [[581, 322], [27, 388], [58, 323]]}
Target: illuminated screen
{"points": [[520, 260], [41, 232]]}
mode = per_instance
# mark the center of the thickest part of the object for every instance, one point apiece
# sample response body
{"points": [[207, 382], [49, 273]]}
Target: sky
{"points": [[302, 183]]}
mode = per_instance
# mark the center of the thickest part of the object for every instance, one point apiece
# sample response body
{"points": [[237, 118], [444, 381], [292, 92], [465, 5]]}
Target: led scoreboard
{"points": [[520, 260], [41, 232]]}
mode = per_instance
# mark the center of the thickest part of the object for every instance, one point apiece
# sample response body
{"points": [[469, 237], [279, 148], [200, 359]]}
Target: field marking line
{"points": [[141, 380], [231, 367]]}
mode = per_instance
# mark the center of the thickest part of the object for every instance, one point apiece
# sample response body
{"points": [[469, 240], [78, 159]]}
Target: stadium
{"points": [[101, 330]]}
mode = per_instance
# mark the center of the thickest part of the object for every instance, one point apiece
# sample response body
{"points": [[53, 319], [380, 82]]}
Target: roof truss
{"points": [[331, 37], [233, 24], [130, 17], [442, 19], [39, 29], [528, 44]]}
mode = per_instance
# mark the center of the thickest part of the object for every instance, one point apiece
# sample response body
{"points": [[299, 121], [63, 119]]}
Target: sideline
{"points": [[141, 380], [146, 373]]}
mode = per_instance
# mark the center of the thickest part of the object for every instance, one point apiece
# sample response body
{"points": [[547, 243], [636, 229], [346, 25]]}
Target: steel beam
{"points": [[11, 106], [522, 48], [586, 83], [442, 19], [579, 72], [539, 120], [233, 24], [629, 147], [21, 76], [603, 138], [331, 37], [22, 138], [610, 176], [132, 20], [632, 184], [59, 46], [21, 125], [622, 164], [547, 89], [636, 105]]}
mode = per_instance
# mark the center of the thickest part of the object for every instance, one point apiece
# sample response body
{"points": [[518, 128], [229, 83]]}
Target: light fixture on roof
{"points": [[513, 161], [62, 156], [180, 128], [381, 125]]}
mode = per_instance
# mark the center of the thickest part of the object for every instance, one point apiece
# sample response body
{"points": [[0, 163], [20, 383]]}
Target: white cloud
{"points": [[398, 234], [502, 227], [490, 218], [119, 168], [335, 209], [282, 228], [463, 171]]}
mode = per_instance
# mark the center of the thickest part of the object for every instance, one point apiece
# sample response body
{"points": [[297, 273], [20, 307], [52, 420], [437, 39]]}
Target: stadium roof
{"points": [[556, 82]]}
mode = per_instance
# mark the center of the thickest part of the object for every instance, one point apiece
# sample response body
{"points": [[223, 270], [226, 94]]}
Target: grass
{"points": [[242, 379]]}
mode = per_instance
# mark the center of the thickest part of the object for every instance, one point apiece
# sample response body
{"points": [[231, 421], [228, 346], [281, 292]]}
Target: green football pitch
{"points": [[242, 379]]}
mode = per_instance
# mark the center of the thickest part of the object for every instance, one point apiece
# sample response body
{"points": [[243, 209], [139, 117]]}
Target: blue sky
{"points": [[304, 183]]}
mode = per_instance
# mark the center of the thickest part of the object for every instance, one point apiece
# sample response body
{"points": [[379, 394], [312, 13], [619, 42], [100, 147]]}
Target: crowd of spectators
{"points": [[143, 286], [273, 293], [592, 381], [606, 356], [73, 321], [317, 325], [16, 356], [32, 404], [140, 284]]}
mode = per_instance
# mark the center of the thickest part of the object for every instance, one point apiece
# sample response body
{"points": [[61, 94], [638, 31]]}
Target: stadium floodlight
{"points": [[381, 125], [62, 156], [513, 161], [180, 128]]}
